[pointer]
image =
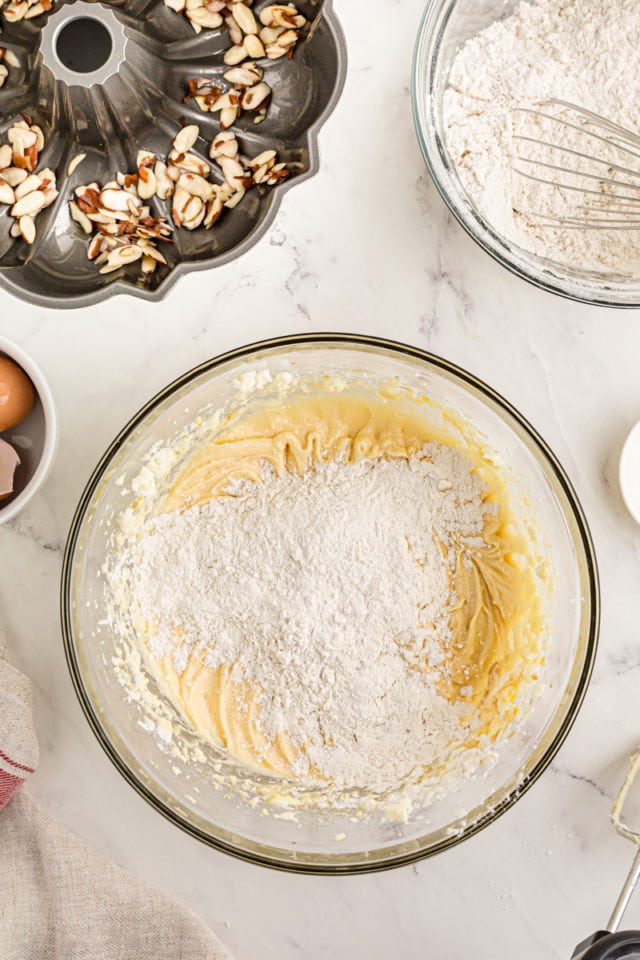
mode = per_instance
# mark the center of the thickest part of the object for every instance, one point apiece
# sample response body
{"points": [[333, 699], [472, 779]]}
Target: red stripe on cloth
{"points": [[8, 786], [18, 766]]}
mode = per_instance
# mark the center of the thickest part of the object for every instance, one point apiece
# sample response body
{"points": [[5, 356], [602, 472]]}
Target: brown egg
{"points": [[16, 394]]}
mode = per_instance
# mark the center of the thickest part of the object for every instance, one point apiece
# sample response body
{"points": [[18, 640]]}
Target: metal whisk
{"points": [[600, 184]]}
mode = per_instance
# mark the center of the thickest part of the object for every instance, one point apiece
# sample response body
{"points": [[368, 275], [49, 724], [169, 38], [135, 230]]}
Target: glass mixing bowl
{"points": [[445, 26], [329, 843]]}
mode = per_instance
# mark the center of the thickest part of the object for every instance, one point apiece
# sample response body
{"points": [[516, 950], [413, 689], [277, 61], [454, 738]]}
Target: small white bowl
{"points": [[629, 472], [36, 438]]}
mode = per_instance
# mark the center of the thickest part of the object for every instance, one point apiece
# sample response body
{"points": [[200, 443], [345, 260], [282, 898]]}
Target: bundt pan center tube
{"points": [[109, 80]]}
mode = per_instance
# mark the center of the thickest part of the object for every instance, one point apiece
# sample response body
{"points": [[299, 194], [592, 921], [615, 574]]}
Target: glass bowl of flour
{"points": [[475, 64], [330, 604]]}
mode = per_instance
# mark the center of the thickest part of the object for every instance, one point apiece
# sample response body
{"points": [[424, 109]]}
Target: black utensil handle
{"points": [[609, 946]]}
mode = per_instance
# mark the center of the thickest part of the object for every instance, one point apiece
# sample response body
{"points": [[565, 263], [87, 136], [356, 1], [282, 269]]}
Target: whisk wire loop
{"points": [[612, 204]]}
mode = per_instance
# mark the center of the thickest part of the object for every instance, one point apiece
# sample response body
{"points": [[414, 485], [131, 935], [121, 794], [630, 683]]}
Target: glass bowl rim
{"points": [[584, 539], [474, 225]]}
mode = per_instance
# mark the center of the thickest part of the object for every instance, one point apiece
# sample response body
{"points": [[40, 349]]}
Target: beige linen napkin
{"points": [[59, 898]]}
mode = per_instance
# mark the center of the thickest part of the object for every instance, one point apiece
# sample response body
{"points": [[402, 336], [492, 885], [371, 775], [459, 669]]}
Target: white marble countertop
{"points": [[365, 247]]}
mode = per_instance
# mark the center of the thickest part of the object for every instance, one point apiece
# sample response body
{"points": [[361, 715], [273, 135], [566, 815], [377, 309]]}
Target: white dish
{"points": [[629, 472], [36, 437]]}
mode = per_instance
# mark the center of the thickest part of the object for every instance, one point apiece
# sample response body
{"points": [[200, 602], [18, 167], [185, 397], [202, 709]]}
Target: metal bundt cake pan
{"points": [[135, 100]]}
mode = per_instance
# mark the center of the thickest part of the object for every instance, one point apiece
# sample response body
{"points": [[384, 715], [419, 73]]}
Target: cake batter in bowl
{"points": [[197, 720]]}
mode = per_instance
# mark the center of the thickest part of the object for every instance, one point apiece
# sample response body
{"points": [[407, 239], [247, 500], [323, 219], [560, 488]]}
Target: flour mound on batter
{"points": [[314, 611]]}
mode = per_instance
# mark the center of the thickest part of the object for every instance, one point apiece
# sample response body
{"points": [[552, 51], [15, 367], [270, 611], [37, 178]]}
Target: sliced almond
{"points": [[29, 205], [214, 210], [224, 145], [180, 200], [118, 200], [233, 171], [256, 97], [278, 173], [15, 230], [6, 156], [186, 138], [244, 76], [121, 257], [177, 5], [32, 157], [224, 191], [234, 55], [193, 214], [235, 33], [235, 199], [15, 12], [108, 227], [254, 47], [27, 229], [196, 185], [164, 185], [266, 157], [288, 39], [47, 176], [281, 15], [4, 73], [35, 11], [148, 264], [11, 59], [39, 136], [229, 99], [6, 193], [106, 217], [151, 251], [133, 206], [243, 16], [203, 18], [188, 163], [75, 162], [267, 16], [19, 138], [80, 218], [260, 174], [14, 175], [269, 35], [145, 159], [228, 117], [148, 187], [274, 52], [204, 103], [95, 246], [31, 183]]}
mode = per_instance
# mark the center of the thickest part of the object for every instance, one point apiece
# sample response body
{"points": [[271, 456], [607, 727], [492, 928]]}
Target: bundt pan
{"points": [[108, 80]]}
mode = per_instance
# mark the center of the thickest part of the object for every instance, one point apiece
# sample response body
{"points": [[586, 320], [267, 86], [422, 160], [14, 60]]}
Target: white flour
{"points": [[583, 51], [328, 592]]}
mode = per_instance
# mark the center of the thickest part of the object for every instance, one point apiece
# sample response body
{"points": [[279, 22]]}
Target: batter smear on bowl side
{"points": [[333, 594]]}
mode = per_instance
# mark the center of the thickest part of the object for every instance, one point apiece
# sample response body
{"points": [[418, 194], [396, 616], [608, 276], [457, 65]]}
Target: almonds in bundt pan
{"points": [[141, 140]]}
